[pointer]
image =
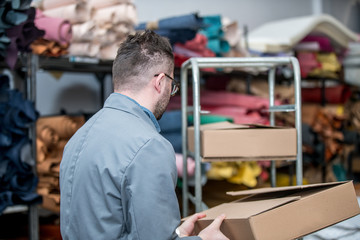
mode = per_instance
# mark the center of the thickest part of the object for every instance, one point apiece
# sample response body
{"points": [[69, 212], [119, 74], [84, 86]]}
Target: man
{"points": [[118, 174]]}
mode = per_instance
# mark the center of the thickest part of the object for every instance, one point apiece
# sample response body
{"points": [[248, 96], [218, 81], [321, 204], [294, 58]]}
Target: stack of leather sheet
{"points": [[352, 109], [98, 27], [17, 179], [214, 32], [177, 29], [284, 35], [58, 34], [182, 33], [52, 134], [242, 108], [17, 29]]}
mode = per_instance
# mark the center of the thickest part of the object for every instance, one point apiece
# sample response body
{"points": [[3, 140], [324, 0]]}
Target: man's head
{"points": [[139, 57], [142, 68]]}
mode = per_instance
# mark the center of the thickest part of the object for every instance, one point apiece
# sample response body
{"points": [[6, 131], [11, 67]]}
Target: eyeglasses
{"points": [[174, 84]]}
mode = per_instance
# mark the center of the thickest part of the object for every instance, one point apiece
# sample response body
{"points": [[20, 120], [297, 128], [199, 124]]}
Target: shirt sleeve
{"points": [[150, 203]]}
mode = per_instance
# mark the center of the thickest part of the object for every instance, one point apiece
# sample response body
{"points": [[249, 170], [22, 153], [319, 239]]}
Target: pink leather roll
{"points": [[223, 98], [196, 47], [179, 165], [56, 29]]}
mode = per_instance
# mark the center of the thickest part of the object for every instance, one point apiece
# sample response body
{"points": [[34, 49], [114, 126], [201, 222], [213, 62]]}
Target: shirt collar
{"points": [[147, 112]]}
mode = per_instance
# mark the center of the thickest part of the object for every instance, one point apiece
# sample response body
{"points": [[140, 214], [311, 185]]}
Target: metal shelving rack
{"points": [[194, 64], [29, 65]]}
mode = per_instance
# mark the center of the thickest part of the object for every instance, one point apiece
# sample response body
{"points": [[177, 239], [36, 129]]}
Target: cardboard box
{"points": [[284, 212], [229, 140]]}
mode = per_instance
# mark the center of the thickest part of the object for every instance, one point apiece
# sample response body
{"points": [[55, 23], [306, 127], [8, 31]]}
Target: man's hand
{"points": [[212, 232], [187, 227]]}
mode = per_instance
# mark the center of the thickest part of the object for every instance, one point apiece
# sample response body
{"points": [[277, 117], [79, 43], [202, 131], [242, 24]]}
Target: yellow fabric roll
{"points": [[247, 174]]}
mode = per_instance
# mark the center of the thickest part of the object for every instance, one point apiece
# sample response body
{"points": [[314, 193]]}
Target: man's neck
{"points": [[141, 98]]}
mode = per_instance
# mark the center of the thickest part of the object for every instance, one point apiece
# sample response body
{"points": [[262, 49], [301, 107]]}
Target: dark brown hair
{"points": [[138, 56]]}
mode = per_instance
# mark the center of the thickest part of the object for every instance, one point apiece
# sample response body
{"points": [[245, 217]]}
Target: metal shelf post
{"points": [[32, 67]]}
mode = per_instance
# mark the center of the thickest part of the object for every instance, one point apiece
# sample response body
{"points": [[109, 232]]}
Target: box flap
{"points": [[221, 125], [245, 210], [279, 189], [297, 214]]}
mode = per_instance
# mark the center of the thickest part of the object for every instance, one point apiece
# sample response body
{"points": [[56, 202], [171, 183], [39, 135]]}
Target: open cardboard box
{"points": [[284, 212], [238, 142]]}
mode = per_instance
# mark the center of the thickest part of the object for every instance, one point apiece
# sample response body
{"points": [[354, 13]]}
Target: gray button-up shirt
{"points": [[117, 177]]}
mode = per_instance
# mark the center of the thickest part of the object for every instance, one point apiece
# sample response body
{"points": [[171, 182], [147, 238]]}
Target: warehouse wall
{"points": [[80, 92], [347, 12], [69, 92]]}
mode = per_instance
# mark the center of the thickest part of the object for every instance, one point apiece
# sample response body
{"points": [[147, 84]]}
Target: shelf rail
{"points": [[195, 64]]}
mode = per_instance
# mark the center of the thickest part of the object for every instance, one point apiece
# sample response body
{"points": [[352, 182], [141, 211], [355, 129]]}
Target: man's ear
{"points": [[158, 82]]}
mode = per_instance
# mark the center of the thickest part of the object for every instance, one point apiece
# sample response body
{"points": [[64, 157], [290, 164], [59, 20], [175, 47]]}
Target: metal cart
{"points": [[194, 64]]}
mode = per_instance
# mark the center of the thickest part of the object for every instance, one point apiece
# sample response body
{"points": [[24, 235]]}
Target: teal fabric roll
{"points": [[205, 119], [218, 46], [213, 31], [212, 27]]}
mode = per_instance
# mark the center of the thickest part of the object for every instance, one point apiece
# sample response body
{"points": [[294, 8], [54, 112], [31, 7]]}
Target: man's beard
{"points": [[161, 106]]}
